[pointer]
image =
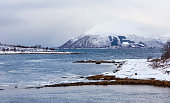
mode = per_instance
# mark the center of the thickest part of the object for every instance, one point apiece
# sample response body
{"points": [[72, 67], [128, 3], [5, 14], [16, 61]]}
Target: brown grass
{"points": [[118, 81]]}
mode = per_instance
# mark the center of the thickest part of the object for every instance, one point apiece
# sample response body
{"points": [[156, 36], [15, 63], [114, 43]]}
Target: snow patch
{"points": [[140, 69]]}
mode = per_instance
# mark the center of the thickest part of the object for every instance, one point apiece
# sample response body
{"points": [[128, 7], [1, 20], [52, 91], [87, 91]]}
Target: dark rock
{"points": [[98, 62], [63, 77], [38, 87], [81, 77], [116, 71]]}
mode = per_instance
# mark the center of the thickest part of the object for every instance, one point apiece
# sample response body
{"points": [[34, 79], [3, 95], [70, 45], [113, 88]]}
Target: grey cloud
{"points": [[52, 22], [9, 21]]}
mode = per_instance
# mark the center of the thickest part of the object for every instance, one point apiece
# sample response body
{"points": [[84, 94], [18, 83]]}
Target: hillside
{"points": [[114, 41]]}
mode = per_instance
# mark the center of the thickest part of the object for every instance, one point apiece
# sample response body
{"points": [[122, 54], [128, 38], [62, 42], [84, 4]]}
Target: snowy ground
{"points": [[140, 69]]}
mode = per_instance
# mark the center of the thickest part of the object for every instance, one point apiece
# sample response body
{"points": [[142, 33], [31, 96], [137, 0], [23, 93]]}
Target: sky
{"points": [[53, 22]]}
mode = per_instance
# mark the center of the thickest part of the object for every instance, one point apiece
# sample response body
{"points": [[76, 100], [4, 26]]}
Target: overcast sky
{"points": [[53, 22]]}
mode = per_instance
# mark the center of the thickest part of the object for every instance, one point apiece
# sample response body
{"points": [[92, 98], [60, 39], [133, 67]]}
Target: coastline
{"points": [[44, 52], [132, 72], [113, 81]]}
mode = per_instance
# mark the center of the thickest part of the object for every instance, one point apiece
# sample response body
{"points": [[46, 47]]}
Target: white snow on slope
{"points": [[140, 69]]}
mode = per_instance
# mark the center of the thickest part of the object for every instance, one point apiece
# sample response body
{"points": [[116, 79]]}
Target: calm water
{"points": [[88, 94], [40, 69]]}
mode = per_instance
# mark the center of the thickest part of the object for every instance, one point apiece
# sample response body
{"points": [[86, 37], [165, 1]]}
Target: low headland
{"points": [[99, 61], [37, 49], [111, 80]]}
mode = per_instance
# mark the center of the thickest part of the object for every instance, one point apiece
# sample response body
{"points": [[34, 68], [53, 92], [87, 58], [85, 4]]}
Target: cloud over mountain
{"points": [[52, 22]]}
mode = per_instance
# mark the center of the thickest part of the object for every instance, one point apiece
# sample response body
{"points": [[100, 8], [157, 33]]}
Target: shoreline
{"points": [[16, 53], [111, 80], [131, 72], [100, 61]]}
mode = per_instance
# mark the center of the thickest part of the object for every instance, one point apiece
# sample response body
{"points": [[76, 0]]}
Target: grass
{"points": [[108, 80]]}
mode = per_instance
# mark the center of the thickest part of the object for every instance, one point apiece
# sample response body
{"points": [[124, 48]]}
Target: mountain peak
{"points": [[113, 41]]}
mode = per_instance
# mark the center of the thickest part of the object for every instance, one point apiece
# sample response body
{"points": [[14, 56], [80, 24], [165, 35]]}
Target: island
{"points": [[37, 49]]}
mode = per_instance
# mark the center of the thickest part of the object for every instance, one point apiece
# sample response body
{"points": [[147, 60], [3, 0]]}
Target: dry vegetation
{"points": [[166, 51], [112, 80], [164, 61]]}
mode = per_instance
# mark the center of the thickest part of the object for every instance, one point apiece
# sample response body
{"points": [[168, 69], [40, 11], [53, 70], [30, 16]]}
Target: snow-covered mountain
{"points": [[114, 41]]}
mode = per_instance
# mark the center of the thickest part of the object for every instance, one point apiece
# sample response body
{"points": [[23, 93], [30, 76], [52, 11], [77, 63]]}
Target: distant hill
{"points": [[114, 41], [19, 48]]}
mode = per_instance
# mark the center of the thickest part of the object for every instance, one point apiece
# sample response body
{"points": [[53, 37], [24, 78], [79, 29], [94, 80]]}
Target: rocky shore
{"points": [[99, 61], [112, 80]]}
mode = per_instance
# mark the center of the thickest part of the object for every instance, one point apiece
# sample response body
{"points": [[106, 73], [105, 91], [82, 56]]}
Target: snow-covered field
{"points": [[140, 69]]}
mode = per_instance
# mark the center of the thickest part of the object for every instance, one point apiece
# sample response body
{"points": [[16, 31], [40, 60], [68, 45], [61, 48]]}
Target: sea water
{"points": [[39, 69], [20, 71]]}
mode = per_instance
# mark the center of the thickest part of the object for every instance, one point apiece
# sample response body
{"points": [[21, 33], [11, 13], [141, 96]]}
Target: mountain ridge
{"points": [[114, 41]]}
